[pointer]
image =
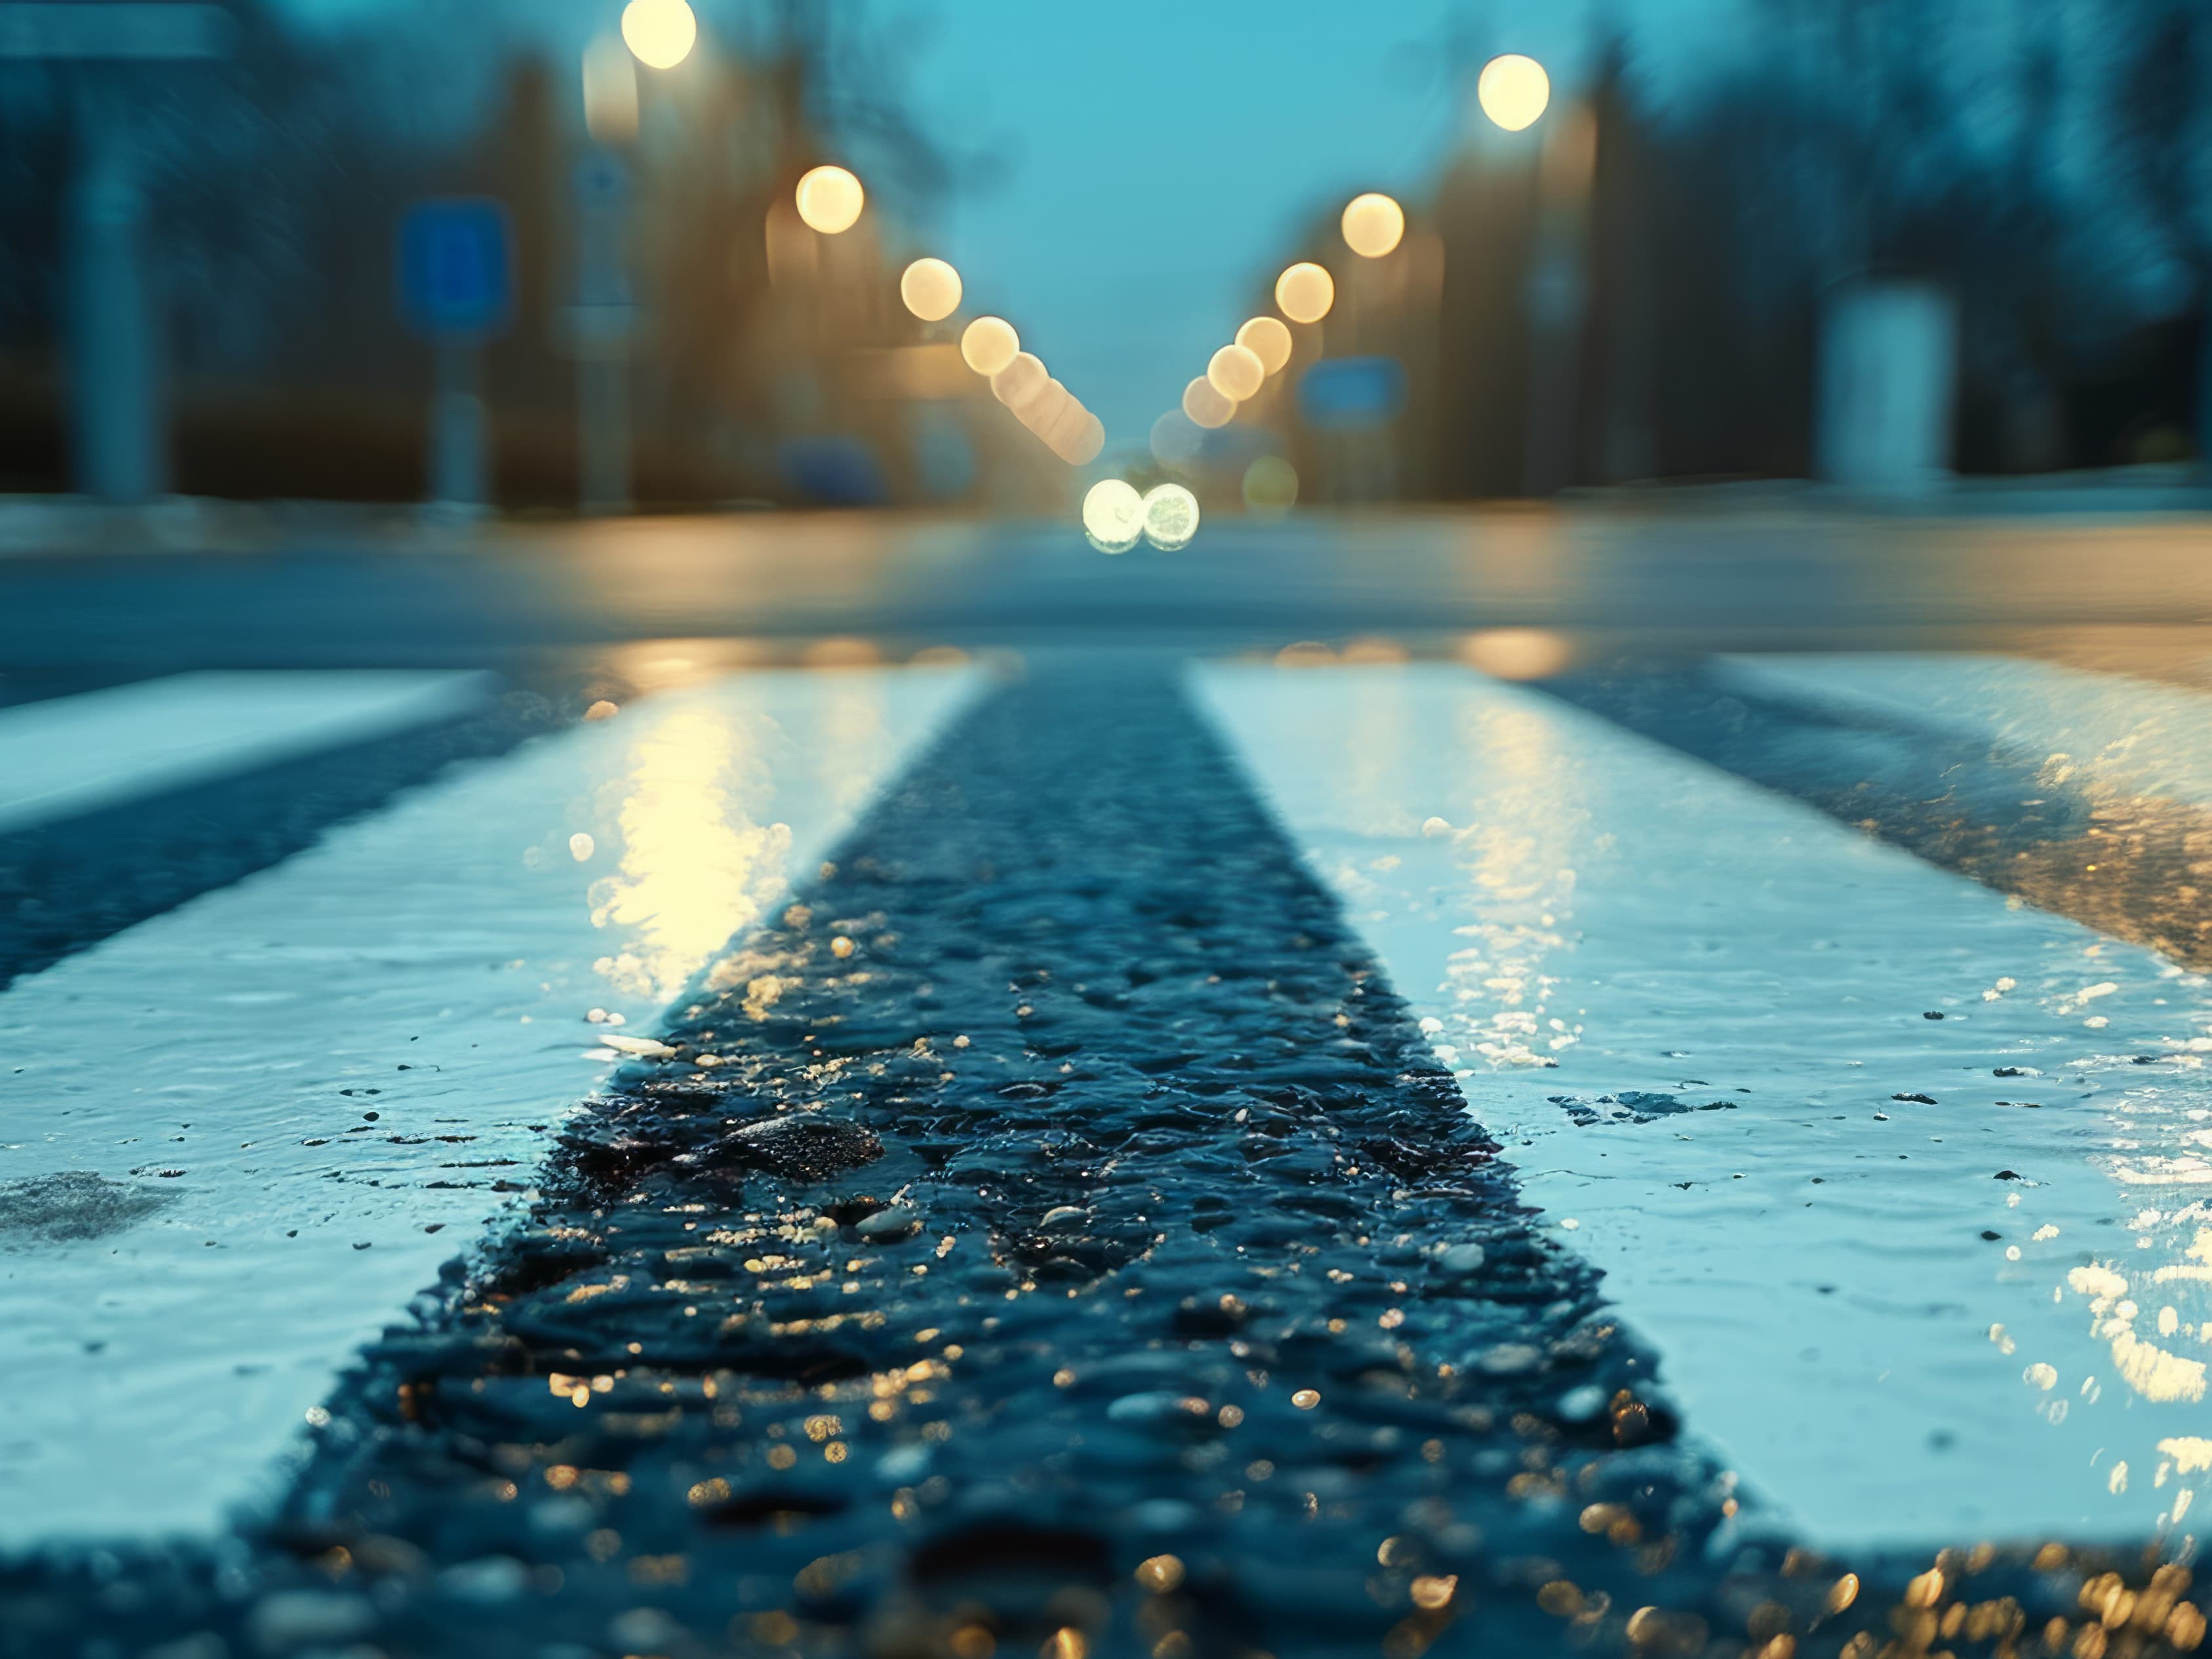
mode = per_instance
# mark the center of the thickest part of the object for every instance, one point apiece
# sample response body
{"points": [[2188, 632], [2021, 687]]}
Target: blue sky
{"points": [[1168, 152]]}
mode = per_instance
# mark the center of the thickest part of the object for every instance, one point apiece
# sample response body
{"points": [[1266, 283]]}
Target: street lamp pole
{"points": [[113, 334]]}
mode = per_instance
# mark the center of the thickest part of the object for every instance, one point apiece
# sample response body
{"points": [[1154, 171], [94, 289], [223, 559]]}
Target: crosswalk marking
{"points": [[2104, 731], [345, 1051], [71, 754], [1602, 931]]}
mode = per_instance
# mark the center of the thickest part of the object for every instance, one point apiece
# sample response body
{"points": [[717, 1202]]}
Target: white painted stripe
{"points": [[73, 754], [1592, 914], [437, 960], [2104, 732]]}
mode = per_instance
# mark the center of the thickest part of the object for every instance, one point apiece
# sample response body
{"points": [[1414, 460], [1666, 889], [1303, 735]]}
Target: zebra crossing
{"points": [[1898, 1176]]}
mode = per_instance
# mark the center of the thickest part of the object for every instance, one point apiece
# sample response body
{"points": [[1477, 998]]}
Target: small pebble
{"points": [[601, 710], [894, 1222]]}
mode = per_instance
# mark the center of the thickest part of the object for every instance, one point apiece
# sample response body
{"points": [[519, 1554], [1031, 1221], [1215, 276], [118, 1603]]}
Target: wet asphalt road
{"points": [[730, 1390], [1076, 1249]]}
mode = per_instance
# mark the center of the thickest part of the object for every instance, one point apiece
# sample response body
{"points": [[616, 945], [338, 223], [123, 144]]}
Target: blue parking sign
{"points": [[454, 272]]}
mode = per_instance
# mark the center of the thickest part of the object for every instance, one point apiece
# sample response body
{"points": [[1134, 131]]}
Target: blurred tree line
{"points": [[771, 363], [2054, 178]]}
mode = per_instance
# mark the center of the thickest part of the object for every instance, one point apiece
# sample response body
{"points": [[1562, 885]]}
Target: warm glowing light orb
{"points": [[829, 199], [1266, 338], [989, 344], [1170, 517], [1044, 410], [1021, 379], [660, 32], [1373, 225], [1517, 653], [1088, 443], [1207, 403], [1236, 371], [1304, 293], [1513, 91], [931, 290], [1114, 515], [1271, 486]]}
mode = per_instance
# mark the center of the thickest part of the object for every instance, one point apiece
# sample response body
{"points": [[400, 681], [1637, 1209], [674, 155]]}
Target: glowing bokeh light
{"points": [[1170, 517], [1021, 379], [1266, 338], [1513, 91], [1373, 225], [829, 200], [1089, 442], [931, 290], [1043, 411], [661, 32], [1304, 293], [1517, 653], [989, 344], [1236, 372], [610, 92], [1207, 403], [1114, 515], [1271, 486], [1177, 440]]}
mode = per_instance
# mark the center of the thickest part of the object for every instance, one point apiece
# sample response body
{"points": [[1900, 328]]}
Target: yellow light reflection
{"points": [[1083, 441], [989, 344], [661, 32], [694, 868], [1304, 293], [1514, 91], [1236, 371], [1517, 653], [930, 288], [1207, 404], [829, 200], [1373, 225], [1266, 338]]}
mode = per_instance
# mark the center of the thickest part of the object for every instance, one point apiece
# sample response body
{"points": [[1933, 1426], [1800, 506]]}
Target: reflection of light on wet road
{"points": [[1907, 1183], [696, 866], [344, 1053]]}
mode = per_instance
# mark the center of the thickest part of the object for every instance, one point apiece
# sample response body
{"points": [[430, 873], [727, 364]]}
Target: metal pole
{"points": [[112, 357], [600, 334], [459, 446]]}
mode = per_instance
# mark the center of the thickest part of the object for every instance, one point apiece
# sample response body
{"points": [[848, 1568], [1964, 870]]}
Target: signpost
{"points": [[456, 286], [600, 328], [114, 335]]}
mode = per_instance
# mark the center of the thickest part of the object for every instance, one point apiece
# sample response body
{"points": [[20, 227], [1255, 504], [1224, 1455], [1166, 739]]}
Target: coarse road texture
{"points": [[1075, 1250]]}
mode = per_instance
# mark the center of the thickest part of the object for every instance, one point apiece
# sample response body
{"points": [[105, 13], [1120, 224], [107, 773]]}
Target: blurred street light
{"points": [[1114, 515], [1170, 517], [1021, 379], [1236, 371], [989, 344], [1207, 404], [660, 32], [930, 288], [1266, 338], [1305, 292], [1514, 91], [1373, 225], [829, 198]]}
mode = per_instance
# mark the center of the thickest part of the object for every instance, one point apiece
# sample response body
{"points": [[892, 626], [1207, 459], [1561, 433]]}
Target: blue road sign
{"points": [[1348, 394], [455, 276]]}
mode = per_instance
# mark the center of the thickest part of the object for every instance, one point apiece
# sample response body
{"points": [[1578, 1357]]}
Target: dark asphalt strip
{"points": [[2138, 869], [1075, 1250]]}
